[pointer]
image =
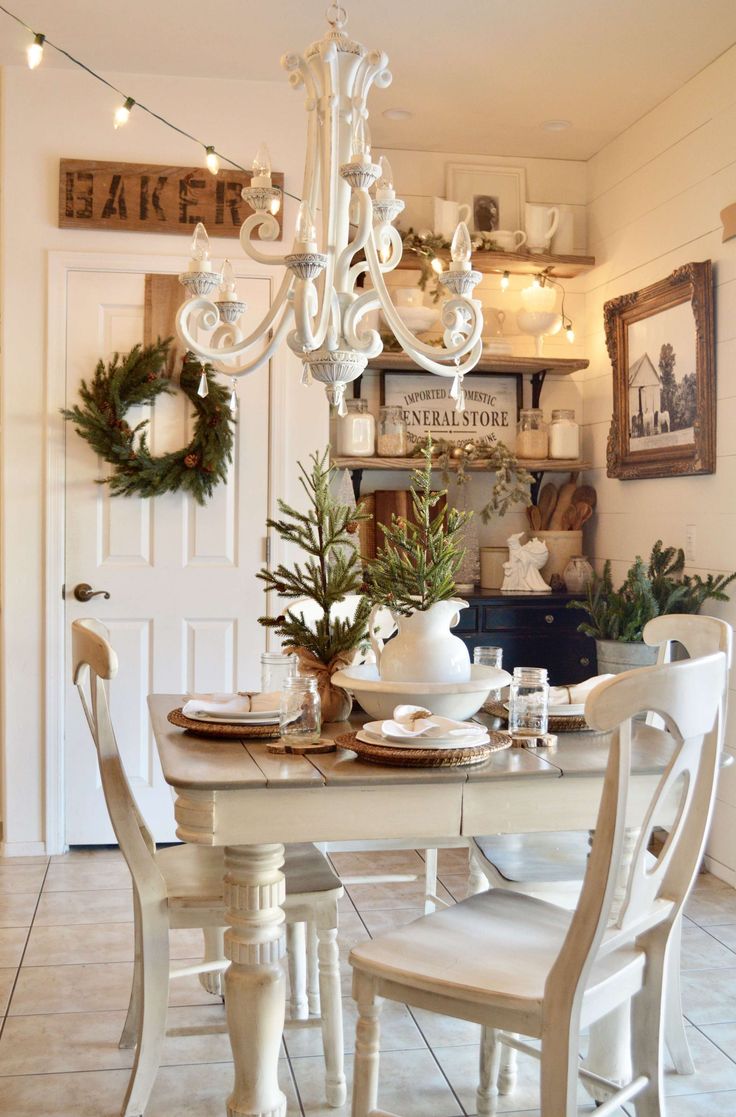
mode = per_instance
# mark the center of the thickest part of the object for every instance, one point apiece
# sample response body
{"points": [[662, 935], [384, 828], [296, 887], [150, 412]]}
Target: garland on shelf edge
{"points": [[512, 480], [139, 378], [428, 245]]}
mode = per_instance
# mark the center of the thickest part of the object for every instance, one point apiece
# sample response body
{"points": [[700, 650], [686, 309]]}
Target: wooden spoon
{"points": [[584, 512], [564, 499], [569, 518], [535, 518], [546, 503], [585, 494]]}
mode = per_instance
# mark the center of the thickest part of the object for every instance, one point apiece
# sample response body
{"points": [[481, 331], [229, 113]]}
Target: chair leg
{"points": [[559, 1071], [675, 1036], [647, 1032], [312, 970], [609, 1049], [477, 881], [367, 1039], [331, 998], [152, 1019], [296, 947], [490, 1060], [430, 880], [507, 1058], [129, 1034], [214, 951]]}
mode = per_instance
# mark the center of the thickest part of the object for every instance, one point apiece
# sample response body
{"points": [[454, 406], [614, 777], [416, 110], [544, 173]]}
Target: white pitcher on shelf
{"points": [[541, 225], [448, 215], [424, 650]]}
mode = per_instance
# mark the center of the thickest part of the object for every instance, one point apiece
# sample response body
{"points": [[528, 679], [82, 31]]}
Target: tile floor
{"points": [[66, 948]]}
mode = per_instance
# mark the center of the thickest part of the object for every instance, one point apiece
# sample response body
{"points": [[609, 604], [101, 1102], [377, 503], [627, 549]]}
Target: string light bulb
{"points": [[437, 265], [505, 281], [35, 51], [122, 113], [570, 333], [213, 163], [275, 205]]}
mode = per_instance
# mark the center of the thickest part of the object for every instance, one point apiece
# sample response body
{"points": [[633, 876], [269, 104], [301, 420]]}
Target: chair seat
{"points": [[194, 874], [496, 948], [548, 858]]}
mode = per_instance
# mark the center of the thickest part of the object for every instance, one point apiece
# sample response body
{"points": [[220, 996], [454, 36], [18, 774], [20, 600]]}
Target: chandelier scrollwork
{"points": [[334, 279]]}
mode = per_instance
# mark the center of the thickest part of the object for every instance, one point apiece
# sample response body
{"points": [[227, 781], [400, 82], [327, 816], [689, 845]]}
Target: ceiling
{"points": [[479, 76]]}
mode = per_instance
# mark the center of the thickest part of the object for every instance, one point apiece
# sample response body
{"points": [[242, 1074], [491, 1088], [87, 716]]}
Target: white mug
{"points": [[541, 224], [448, 215], [508, 241]]}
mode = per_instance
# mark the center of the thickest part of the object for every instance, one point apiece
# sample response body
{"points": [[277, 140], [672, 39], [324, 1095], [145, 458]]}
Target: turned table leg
{"points": [[254, 982]]}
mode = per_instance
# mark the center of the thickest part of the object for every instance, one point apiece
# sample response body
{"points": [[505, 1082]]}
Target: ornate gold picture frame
{"points": [[662, 347]]}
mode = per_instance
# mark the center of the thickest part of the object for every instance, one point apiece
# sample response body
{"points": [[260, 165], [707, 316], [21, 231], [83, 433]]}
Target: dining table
{"points": [[238, 795]]}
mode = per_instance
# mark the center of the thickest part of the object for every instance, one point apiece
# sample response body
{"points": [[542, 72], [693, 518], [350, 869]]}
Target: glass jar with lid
{"points": [[356, 431], [300, 713], [532, 439], [564, 435], [529, 702], [275, 669], [392, 439]]}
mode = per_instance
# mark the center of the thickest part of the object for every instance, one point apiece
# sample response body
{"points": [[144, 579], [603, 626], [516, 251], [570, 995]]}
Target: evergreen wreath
{"points": [[139, 378]]}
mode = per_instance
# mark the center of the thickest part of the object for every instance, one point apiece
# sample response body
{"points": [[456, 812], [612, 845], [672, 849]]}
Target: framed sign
{"points": [[491, 406], [662, 348], [146, 198], [496, 195]]}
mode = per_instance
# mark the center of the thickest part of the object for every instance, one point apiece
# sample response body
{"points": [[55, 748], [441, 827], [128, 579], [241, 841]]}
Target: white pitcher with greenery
{"points": [[413, 575]]}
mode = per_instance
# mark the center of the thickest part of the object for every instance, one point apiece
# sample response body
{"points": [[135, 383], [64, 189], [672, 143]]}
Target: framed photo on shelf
{"points": [[491, 407], [662, 349], [496, 195]]}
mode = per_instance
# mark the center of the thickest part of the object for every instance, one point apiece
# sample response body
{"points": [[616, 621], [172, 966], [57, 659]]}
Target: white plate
{"points": [[271, 717], [445, 740], [562, 710], [421, 742]]}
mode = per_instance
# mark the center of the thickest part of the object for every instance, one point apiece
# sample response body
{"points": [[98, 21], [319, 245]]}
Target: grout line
{"points": [[23, 952], [439, 1064], [715, 1043]]}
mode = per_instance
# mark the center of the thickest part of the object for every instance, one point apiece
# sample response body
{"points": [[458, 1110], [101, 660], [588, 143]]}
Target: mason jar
{"points": [[529, 701], [488, 656], [392, 437], [564, 435], [532, 438], [276, 668], [356, 431], [300, 714]]}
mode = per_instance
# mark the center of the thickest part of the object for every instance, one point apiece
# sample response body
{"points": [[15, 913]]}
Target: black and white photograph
{"points": [[485, 213], [662, 379]]}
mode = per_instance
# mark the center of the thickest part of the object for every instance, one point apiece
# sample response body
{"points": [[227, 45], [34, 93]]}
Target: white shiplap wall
{"points": [[654, 198]]}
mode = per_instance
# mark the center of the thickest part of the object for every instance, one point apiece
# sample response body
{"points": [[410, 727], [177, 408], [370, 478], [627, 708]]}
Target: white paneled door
{"points": [[184, 599]]}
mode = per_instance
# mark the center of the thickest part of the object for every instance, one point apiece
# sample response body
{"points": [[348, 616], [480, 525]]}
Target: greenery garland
{"points": [[512, 483], [139, 378]]}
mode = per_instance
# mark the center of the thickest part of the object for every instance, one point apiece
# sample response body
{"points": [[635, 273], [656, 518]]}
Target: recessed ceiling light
{"points": [[556, 125], [398, 114]]}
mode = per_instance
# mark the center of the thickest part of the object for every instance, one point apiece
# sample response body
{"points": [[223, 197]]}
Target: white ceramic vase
{"points": [[424, 650]]}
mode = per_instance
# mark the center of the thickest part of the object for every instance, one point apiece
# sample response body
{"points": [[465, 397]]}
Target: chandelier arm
{"points": [[369, 342], [466, 364], [202, 306], [375, 72], [305, 292], [363, 231], [363, 267], [270, 224], [264, 356], [409, 341]]}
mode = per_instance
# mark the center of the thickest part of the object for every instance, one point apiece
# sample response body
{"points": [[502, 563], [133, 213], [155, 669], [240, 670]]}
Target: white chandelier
{"points": [[323, 299]]}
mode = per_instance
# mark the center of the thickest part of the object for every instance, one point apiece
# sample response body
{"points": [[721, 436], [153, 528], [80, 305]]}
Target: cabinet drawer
{"points": [[529, 618], [568, 660], [468, 620]]}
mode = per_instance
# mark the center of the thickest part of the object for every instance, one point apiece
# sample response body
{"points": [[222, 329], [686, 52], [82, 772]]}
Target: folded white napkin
{"points": [[576, 693], [231, 705], [415, 721]]}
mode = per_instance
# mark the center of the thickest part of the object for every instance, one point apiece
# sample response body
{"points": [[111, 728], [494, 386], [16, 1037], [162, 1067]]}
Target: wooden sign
{"points": [[145, 198], [491, 407]]}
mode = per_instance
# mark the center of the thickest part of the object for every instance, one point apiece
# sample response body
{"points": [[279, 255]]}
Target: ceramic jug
{"points": [[424, 650], [448, 215], [541, 225], [508, 240]]}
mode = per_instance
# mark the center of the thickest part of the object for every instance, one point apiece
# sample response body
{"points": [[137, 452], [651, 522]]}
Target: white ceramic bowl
{"points": [[379, 698], [419, 319]]}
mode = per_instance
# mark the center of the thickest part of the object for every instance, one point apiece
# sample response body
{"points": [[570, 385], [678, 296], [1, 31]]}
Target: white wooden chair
{"points": [[518, 965], [552, 866], [384, 627], [182, 886]]}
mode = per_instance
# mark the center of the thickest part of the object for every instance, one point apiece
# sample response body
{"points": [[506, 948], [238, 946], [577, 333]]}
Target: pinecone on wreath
{"points": [[191, 461]]}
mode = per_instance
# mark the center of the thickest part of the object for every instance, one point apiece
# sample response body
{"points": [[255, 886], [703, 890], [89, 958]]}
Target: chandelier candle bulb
{"points": [[262, 169], [385, 188], [200, 260], [461, 249], [305, 234], [361, 143], [227, 290]]}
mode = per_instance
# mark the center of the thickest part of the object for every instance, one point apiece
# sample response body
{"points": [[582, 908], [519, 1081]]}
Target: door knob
{"points": [[84, 592]]}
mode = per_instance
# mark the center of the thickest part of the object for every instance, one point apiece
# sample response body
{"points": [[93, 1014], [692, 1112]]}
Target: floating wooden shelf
{"points": [[518, 263], [509, 366], [547, 465]]}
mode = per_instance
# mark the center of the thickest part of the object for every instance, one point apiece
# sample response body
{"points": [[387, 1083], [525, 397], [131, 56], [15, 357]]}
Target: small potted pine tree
{"points": [[413, 575], [617, 617], [330, 573]]}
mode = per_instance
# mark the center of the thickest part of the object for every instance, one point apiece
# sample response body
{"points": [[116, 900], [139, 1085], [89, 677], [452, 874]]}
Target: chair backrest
{"points": [[698, 636], [93, 663], [688, 696]]}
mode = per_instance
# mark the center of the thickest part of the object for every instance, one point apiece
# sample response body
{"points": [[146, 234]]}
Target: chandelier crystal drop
{"points": [[344, 244]]}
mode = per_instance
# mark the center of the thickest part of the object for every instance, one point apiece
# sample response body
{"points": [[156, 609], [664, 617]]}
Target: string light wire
{"points": [[207, 148]]}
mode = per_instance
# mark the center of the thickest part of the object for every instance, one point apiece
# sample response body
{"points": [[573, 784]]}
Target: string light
{"points": [[437, 265], [541, 280], [35, 54], [505, 281], [122, 113], [35, 51], [213, 163]]}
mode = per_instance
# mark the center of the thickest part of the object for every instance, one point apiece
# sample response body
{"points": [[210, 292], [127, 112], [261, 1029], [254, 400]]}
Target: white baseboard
{"points": [[718, 869], [22, 849]]}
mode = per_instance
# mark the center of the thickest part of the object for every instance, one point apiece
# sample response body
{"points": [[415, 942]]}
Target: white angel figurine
{"points": [[521, 572]]}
